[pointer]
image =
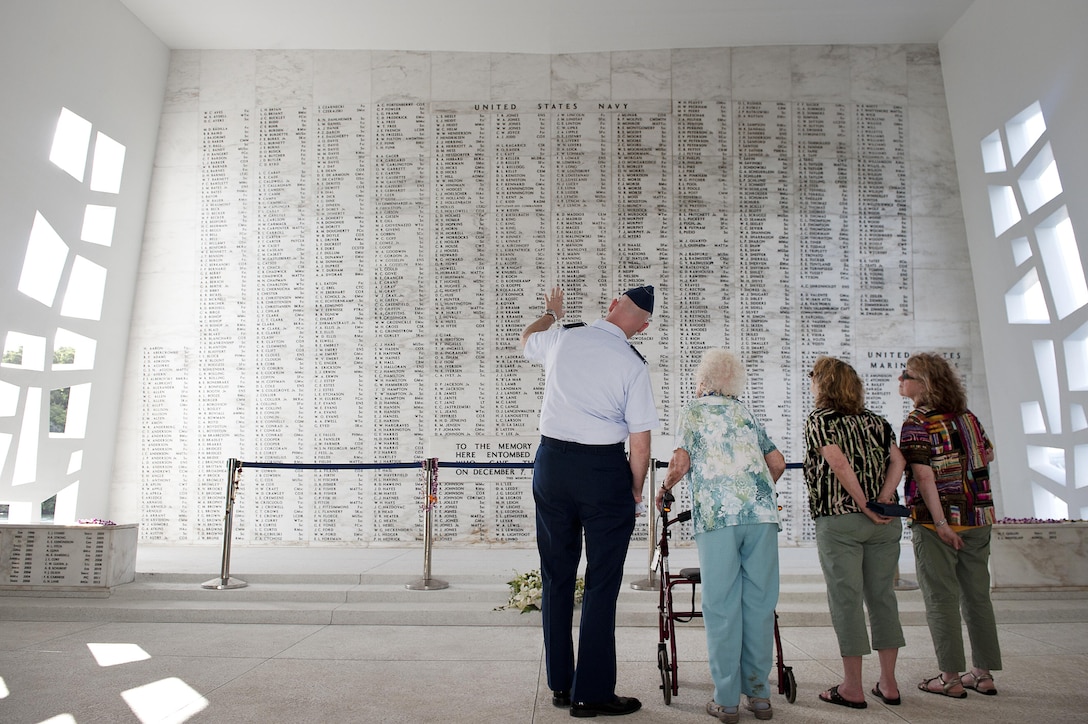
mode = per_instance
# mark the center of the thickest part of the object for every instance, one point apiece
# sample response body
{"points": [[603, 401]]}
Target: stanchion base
{"points": [[427, 584], [646, 584], [221, 585]]}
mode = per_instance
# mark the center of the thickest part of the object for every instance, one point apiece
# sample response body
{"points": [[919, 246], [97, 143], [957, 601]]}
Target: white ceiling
{"points": [[541, 26]]}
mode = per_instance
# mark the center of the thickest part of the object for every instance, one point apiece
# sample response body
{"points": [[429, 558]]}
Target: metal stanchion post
{"points": [[650, 583], [427, 583], [234, 473]]}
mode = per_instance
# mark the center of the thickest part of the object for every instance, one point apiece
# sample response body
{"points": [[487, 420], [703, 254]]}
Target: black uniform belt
{"points": [[565, 445]]}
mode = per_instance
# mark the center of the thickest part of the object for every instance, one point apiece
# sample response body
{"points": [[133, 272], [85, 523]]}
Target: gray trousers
{"points": [[953, 582]]}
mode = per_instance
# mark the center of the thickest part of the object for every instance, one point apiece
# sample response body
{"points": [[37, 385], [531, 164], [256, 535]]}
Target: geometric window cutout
{"points": [[68, 411], [1076, 359], [1039, 182], [70, 143], [1078, 419], [1047, 364], [993, 153], [1021, 250], [86, 288], [48, 509], [75, 462], [113, 654], [1024, 303], [109, 161], [1031, 416], [5, 446], [46, 253], [58, 409], [1024, 130], [26, 454], [64, 509], [98, 224], [160, 699], [1003, 208], [1047, 505], [9, 402], [1080, 459], [1061, 259], [73, 351], [22, 512], [24, 350], [1048, 461]]}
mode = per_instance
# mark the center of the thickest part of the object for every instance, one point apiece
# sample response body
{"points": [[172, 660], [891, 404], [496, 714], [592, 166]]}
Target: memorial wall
{"points": [[343, 248]]}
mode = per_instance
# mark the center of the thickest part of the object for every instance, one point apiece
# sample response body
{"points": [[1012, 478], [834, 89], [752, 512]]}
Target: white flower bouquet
{"points": [[527, 590]]}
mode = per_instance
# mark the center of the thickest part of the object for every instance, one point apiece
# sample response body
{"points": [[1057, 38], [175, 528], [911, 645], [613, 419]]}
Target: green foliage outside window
{"points": [[58, 399]]}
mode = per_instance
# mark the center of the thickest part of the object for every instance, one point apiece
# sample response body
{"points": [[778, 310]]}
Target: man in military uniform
{"points": [[597, 395]]}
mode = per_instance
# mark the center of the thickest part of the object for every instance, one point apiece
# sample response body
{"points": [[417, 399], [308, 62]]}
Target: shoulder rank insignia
{"points": [[637, 353], [572, 325]]}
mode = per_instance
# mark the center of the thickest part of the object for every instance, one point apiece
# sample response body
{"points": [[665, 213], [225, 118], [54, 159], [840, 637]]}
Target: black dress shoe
{"points": [[561, 699], [619, 706]]}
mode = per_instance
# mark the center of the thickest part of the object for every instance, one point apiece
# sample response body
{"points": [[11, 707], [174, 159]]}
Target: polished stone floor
{"points": [[147, 671]]}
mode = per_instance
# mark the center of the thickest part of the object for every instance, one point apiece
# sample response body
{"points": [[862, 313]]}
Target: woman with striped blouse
{"points": [[851, 458]]}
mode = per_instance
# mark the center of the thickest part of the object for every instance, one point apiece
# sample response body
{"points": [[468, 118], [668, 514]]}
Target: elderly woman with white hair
{"points": [[732, 466]]}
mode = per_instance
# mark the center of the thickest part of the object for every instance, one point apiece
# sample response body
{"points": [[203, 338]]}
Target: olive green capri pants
{"points": [[954, 583], [859, 560]]}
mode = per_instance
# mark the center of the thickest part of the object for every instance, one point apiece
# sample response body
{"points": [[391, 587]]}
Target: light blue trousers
{"points": [[739, 568]]}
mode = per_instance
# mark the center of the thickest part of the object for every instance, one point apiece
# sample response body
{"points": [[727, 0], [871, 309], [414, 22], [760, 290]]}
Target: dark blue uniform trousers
{"points": [[582, 488]]}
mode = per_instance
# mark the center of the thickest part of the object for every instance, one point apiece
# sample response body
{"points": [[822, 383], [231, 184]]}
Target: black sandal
{"points": [[836, 698]]}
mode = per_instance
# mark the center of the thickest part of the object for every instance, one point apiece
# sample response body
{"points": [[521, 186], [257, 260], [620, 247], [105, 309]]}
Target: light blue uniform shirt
{"points": [[597, 389]]}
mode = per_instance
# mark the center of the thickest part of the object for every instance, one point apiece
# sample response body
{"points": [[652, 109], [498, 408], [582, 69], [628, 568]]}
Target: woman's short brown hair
{"points": [[838, 386]]}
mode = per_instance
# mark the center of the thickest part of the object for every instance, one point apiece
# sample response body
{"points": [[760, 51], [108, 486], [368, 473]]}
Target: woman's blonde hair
{"points": [[720, 372], [941, 384], [838, 386]]}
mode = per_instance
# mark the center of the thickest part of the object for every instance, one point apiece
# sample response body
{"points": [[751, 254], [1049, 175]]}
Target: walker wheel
{"points": [[789, 688], [666, 672]]}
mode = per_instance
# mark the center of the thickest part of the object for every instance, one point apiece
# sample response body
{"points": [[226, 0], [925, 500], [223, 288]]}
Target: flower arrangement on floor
{"points": [[527, 589], [1033, 521]]}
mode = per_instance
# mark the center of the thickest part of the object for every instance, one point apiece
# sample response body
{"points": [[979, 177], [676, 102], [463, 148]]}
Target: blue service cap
{"points": [[643, 297]]}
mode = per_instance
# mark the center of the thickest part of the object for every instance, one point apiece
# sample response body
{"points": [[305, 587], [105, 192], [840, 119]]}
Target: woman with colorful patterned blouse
{"points": [[948, 488], [850, 459], [731, 466]]}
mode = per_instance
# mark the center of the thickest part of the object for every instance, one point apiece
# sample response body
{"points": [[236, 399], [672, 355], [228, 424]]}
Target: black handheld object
{"points": [[889, 510]]}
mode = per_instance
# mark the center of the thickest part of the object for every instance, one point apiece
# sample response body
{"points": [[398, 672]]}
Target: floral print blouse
{"points": [[729, 478]]}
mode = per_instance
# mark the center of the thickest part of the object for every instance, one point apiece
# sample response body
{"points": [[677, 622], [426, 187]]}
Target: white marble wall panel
{"points": [[581, 76], [820, 73], [641, 74], [878, 74], [183, 82], [228, 79], [762, 73], [516, 75], [925, 84], [341, 76], [285, 78], [461, 76], [400, 75], [701, 73], [343, 247]]}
